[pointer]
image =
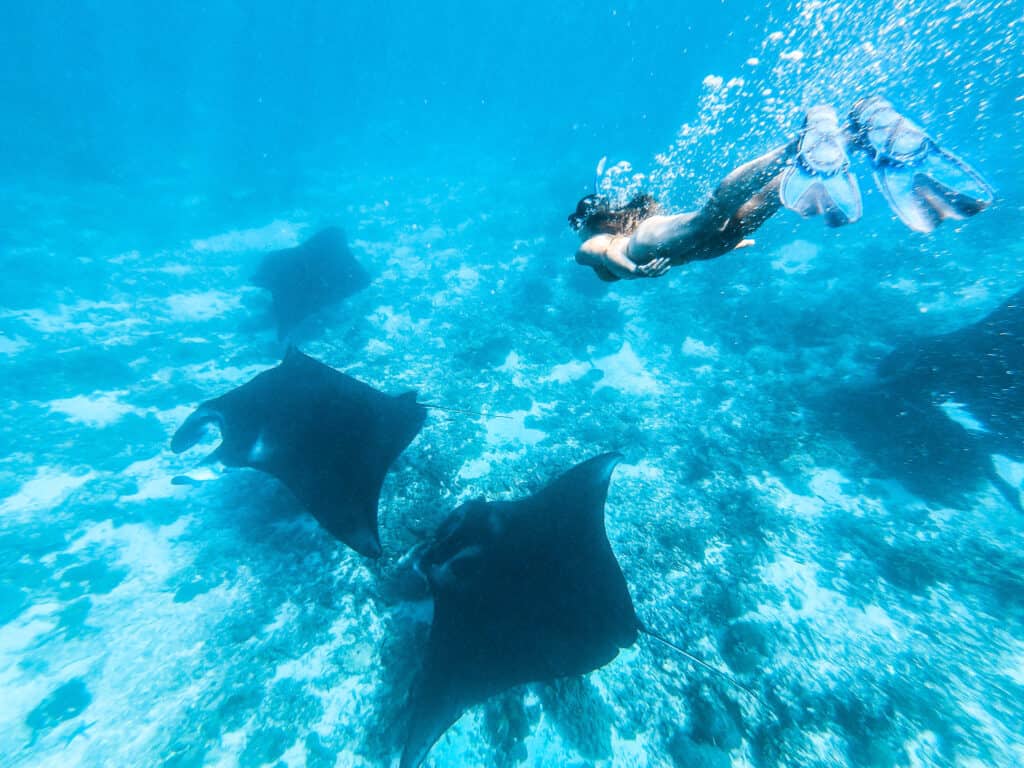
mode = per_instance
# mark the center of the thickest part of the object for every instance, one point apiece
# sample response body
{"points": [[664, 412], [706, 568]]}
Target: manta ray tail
{"points": [[699, 662], [437, 407]]}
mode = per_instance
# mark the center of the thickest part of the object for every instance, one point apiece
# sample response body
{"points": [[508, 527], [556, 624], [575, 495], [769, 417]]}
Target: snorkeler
{"points": [[923, 184]]}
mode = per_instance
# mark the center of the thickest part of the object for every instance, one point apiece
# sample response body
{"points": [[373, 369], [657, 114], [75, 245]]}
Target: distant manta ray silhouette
{"points": [[980, 365], [901, 417], [305, 279], [328, 437], [524, 591]]}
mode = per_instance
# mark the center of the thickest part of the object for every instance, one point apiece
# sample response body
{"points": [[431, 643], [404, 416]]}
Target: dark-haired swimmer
{"points": [[923, 184]]}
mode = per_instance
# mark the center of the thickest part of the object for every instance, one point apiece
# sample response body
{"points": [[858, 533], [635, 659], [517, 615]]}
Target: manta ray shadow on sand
{"points": [[328, 437], [939, 407], [524, 591], [315, 274]]}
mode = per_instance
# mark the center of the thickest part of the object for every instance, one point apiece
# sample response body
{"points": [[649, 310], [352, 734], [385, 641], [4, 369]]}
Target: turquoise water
{"points": [[865, 582]]}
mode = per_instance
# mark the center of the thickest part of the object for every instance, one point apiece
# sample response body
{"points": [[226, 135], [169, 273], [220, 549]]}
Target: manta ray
{"points": [[524, 591], [328, 437], [940, 406], [304, 279], [980, 366]]}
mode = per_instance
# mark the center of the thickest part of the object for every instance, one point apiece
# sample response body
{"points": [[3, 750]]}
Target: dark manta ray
{"points": [[310, 276], [980, 365], [524, 591], [328, 437], [897, 418]]}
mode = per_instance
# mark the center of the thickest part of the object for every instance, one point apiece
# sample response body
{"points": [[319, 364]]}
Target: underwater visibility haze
{"points": [[318, 447]]}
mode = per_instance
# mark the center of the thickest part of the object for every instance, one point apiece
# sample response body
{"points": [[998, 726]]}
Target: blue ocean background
{"points": [[152, 153]]}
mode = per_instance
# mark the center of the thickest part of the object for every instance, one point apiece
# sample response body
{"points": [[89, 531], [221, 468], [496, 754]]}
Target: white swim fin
{"points": [[819, 181], [923, 183]]}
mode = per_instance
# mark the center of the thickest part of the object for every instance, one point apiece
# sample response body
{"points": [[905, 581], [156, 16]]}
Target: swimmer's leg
{"points": [[819, 181], [738, 206], [758, 209], [751, 215], [922, 182], [739, 188]]}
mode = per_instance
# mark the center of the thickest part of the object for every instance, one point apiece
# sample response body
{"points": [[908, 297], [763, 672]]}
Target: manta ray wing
{"points": [[327, 436], [524, 591]]}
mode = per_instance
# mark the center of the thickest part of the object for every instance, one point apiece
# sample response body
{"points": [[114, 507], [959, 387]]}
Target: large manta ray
{"points": [[328, 437], [524, 591], [309, 277], [901, 419], [980, 366]]}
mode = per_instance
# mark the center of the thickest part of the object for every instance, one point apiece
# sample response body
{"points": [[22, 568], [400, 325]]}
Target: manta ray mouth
{"points": [[195, 428]]}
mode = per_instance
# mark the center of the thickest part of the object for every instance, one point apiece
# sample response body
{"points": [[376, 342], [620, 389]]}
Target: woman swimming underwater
{"points": [[923, 184]]}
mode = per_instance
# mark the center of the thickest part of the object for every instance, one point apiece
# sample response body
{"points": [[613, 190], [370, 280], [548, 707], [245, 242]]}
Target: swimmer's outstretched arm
{"points": [[610, 252]]}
